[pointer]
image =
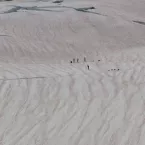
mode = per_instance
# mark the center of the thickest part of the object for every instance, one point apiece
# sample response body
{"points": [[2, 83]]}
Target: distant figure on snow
{"points": [[73, 60], [88, 67], [84, 59], [77, 60], [70, 61]]}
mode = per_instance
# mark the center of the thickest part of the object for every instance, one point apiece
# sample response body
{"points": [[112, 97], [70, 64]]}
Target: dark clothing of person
{"points": [[88, 67]]}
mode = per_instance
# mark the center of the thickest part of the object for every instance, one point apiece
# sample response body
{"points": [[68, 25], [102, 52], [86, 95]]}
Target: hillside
{"points": [[72, 73]]}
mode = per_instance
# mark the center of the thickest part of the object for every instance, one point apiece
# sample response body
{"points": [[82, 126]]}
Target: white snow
{"points": [[45, 99]]}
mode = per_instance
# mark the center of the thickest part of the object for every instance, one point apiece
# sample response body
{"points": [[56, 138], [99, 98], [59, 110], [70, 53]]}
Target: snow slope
{"points": [[45, 99]]}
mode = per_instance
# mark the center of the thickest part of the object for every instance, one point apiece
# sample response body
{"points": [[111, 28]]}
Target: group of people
{"points": [[77, 61], [74, 61]]}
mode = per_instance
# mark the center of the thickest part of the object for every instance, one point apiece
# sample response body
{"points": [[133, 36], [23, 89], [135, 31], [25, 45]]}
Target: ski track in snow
{"points": [[45, 100]]}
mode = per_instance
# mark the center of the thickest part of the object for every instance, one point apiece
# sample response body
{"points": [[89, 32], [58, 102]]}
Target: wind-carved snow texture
{"points": [[71, 77], [70, 104]]}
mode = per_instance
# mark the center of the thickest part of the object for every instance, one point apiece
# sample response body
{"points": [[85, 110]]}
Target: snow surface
{"points": [[45, 99]]}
